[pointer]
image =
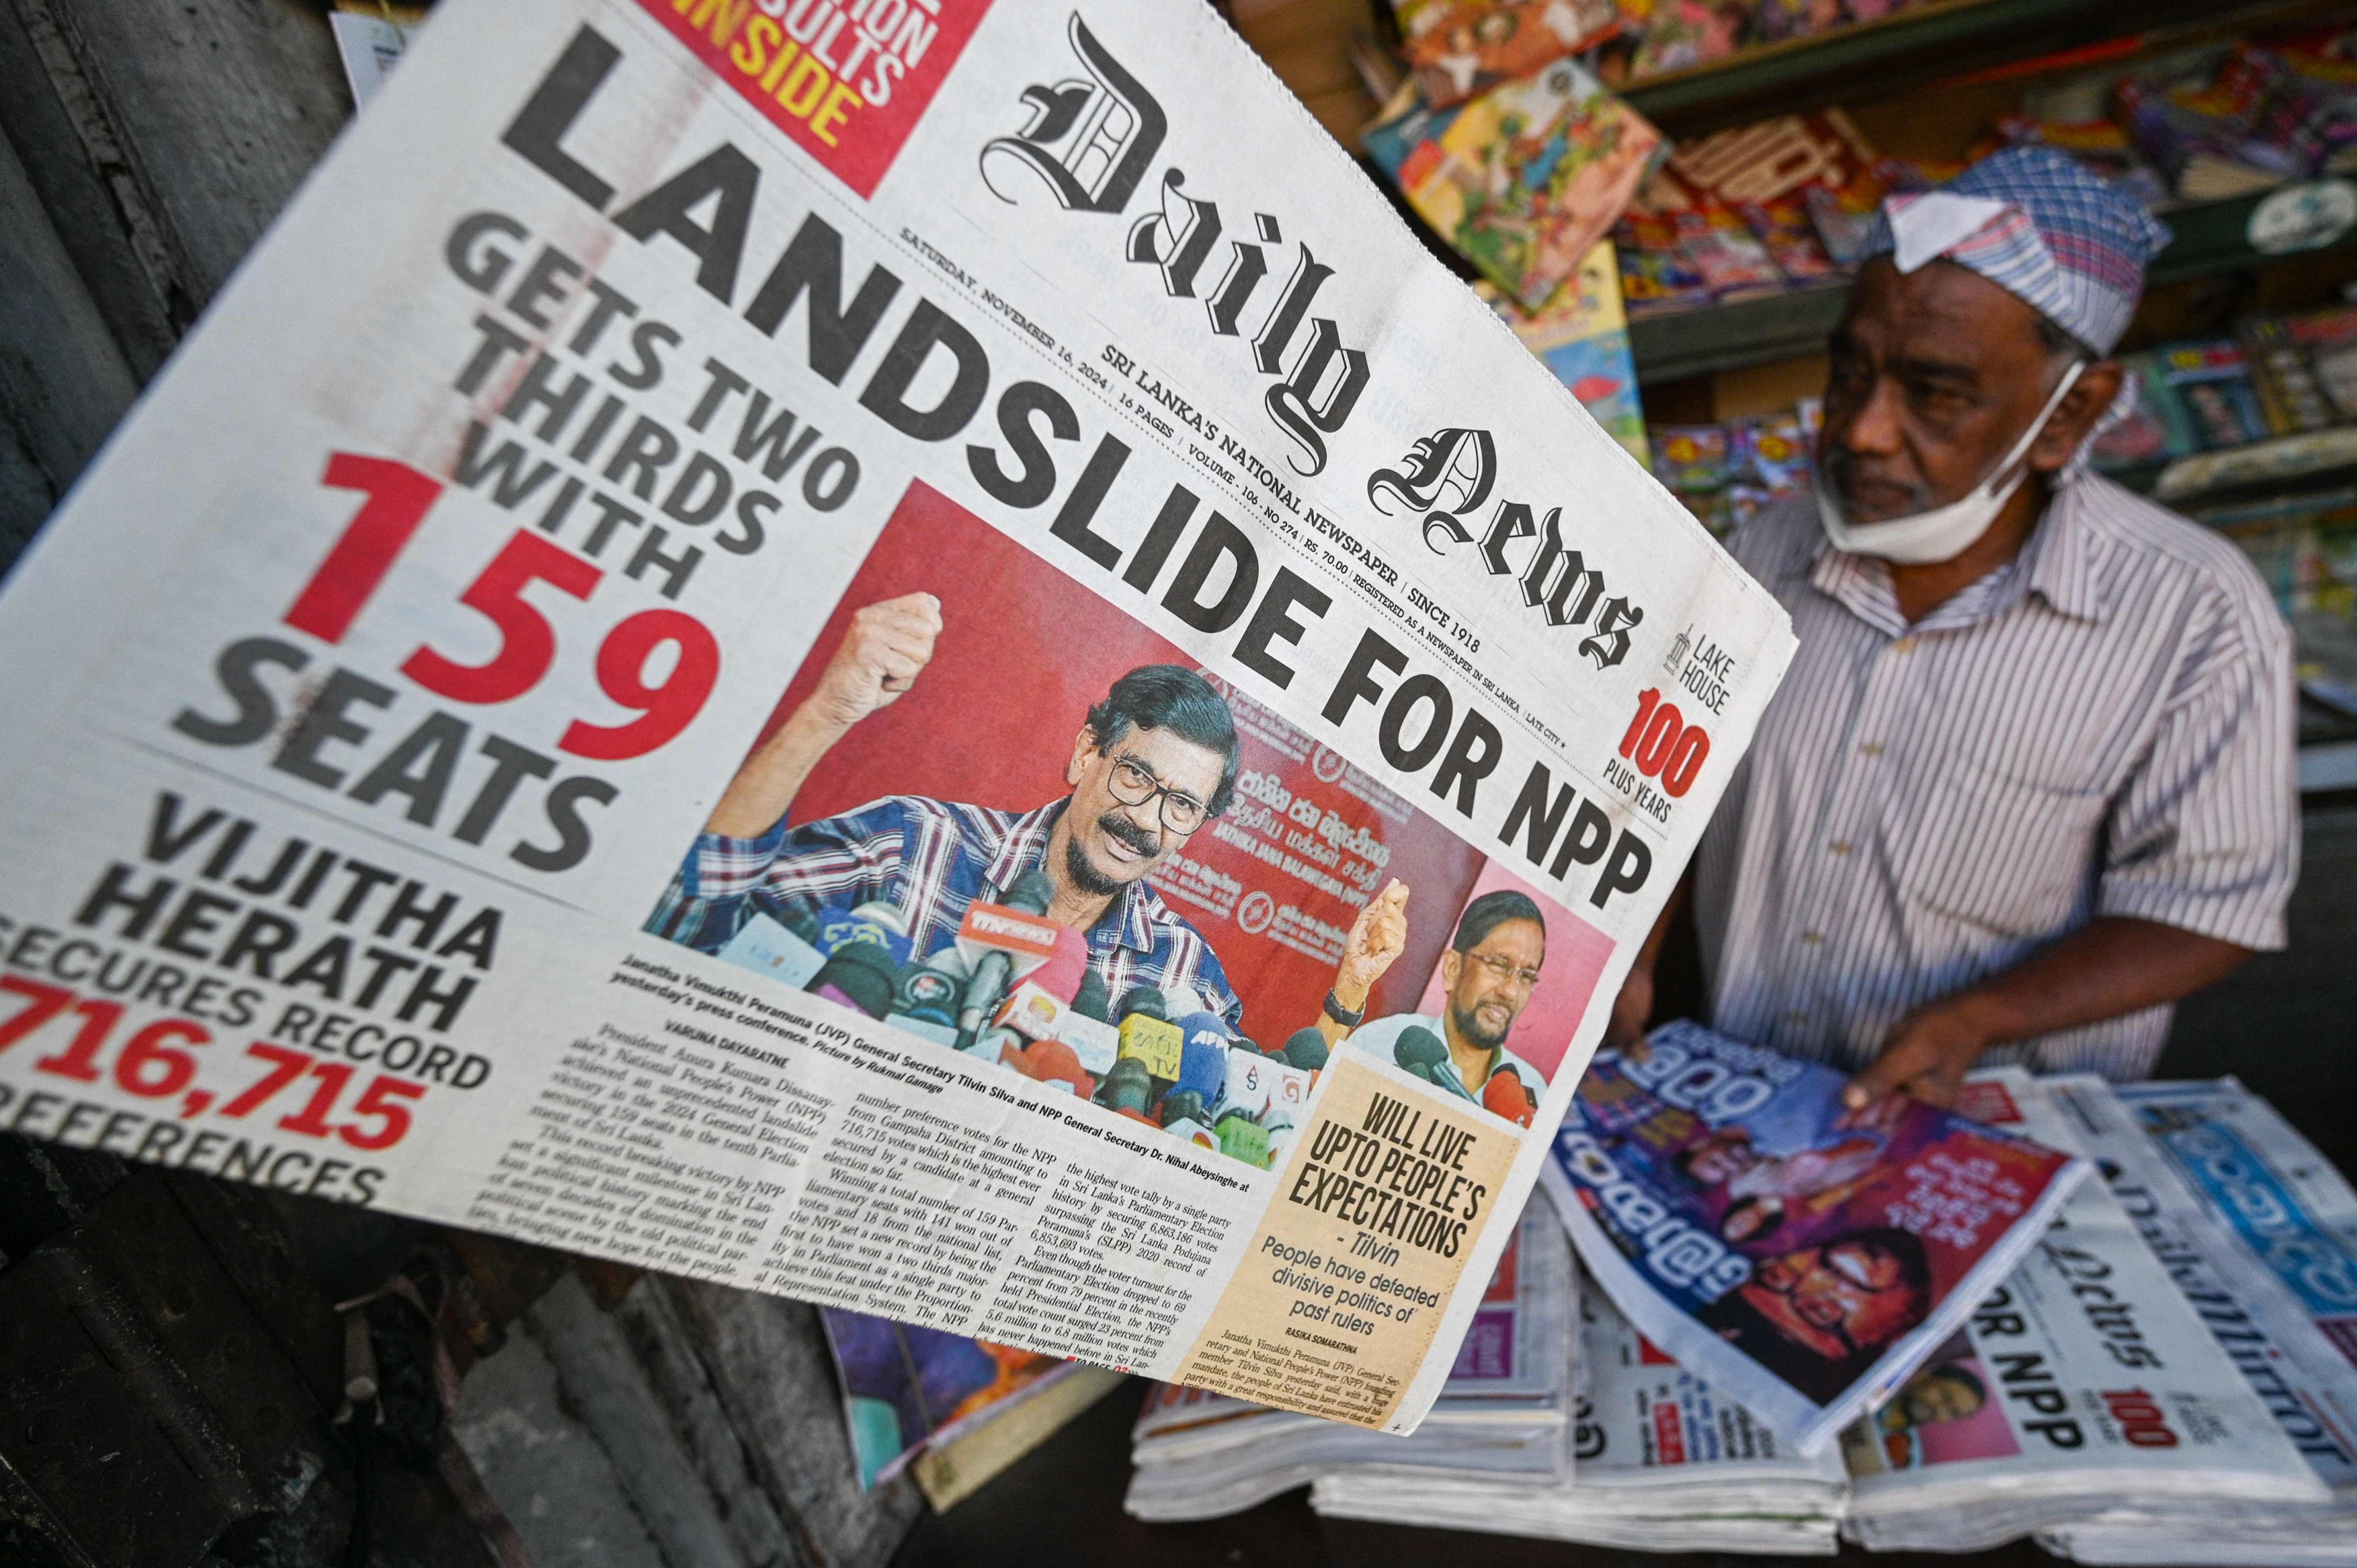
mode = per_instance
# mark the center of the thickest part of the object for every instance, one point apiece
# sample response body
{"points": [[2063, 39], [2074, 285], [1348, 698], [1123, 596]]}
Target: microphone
{"points": [[925, 1000], [861, 975], [1307, 1049], [1090, 999], [1181, 999], [1060, 975], [1203, 1056], [875, 923], [1182, 1118], [1425, 1054], [1506, 1095], [1003, 942], [1126, 1089], [1241, 1138], [784, 948], [1147, 1035], [1182, 1105], [1038, 1002], [1052, 1061]]}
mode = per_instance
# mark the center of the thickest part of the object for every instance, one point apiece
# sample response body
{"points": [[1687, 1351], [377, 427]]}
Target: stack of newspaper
{"points": [[2085, 1388], [1506, 1411], [2290, 1200], [1664, 1464]]}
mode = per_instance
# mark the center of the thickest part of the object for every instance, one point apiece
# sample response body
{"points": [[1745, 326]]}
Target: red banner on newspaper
{"points": [[848, 80]]}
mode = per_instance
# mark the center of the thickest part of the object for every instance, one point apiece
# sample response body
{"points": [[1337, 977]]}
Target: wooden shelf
{"points": [[2209, 239], [1900, 53]]}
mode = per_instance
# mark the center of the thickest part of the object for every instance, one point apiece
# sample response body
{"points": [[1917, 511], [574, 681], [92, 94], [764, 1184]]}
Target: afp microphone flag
{"points": [[882, 652]]}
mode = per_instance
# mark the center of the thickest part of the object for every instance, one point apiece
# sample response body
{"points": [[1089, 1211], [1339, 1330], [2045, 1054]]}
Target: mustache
{"points": [[1114, 825], [1838, 468]]}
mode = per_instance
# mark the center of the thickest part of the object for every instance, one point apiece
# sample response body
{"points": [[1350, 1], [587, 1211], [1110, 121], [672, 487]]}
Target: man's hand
{"points": [[1926, 1058], [1625, 1031], [1376, 938], [887, 647]]}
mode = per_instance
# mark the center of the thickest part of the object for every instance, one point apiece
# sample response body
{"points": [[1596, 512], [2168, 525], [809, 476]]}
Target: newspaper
{"points": [[908, 1390], [1507, 1409], [764, 645], [2085, 1382], [1661, 1463], [2299, 1375], [1803, 1258], [2266, 1186]]}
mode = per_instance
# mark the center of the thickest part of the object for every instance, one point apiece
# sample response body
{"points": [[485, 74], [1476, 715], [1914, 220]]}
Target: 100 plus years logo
{"points": [[1449, 476], [1091, 140]]}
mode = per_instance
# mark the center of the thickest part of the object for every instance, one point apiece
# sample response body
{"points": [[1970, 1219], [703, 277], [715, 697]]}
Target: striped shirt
{"points": [[930, 859], [2102, 726]]}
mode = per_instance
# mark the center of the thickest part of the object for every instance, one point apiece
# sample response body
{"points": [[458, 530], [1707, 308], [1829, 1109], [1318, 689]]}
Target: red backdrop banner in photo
{"points": [[1025, 651]]}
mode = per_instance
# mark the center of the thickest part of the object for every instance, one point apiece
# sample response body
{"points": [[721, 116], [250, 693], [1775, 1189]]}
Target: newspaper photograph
{"points": [[1802, 1258], [933, 669]]}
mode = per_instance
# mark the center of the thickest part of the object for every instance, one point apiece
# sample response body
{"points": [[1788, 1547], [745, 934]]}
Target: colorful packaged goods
{"points": [[1528, 177], [2304, 368], [2202, 128], [1731, 260], [1656, 276], [1459, 48], [1582, 335]]}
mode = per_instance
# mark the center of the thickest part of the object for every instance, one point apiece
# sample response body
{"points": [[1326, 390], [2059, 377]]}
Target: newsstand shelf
{"points": [[1909, 50], [2210, 238]]}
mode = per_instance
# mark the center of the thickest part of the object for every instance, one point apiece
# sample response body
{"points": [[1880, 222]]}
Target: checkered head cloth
{"points": [[2039, 226]]}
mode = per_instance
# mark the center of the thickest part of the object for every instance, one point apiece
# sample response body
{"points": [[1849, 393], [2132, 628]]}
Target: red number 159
{"points": [[398, 500]]}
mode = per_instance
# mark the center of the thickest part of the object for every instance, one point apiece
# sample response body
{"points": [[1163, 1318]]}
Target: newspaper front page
{"points": [[1802, 1257], [796, 644], [2266, 1186], [2083, 1383]]}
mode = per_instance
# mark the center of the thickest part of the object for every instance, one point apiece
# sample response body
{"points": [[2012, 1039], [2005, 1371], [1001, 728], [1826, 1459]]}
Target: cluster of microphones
{"points": [[1420, 1051], [1017, 990]]}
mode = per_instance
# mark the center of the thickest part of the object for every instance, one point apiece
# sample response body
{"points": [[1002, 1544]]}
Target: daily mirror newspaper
{"points": [[2266, 1186], [902, 651]]}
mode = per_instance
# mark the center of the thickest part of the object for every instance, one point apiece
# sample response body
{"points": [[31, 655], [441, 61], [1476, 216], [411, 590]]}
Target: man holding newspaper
{"points": [[2030, 779]]}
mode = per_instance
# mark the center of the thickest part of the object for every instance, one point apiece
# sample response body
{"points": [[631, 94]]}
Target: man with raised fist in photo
{"points": [[1151, 764]]}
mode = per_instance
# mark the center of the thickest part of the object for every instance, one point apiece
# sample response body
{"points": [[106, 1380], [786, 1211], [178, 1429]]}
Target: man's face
{"points": [[1113, 843], [1849, 1296], [1934, 1397], [1488, 986], [1935, 375]]}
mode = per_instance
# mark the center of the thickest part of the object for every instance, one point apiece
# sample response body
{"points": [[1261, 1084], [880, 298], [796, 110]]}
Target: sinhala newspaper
{"points": [[906, 653]]}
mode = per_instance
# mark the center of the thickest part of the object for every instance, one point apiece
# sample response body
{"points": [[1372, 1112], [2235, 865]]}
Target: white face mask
{"points": [[1944, 532]]}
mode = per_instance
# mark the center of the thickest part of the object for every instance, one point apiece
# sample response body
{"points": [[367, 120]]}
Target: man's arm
{"points": [[2108, 967], [1626, 1028], [1376, 938], [888, 645]]}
